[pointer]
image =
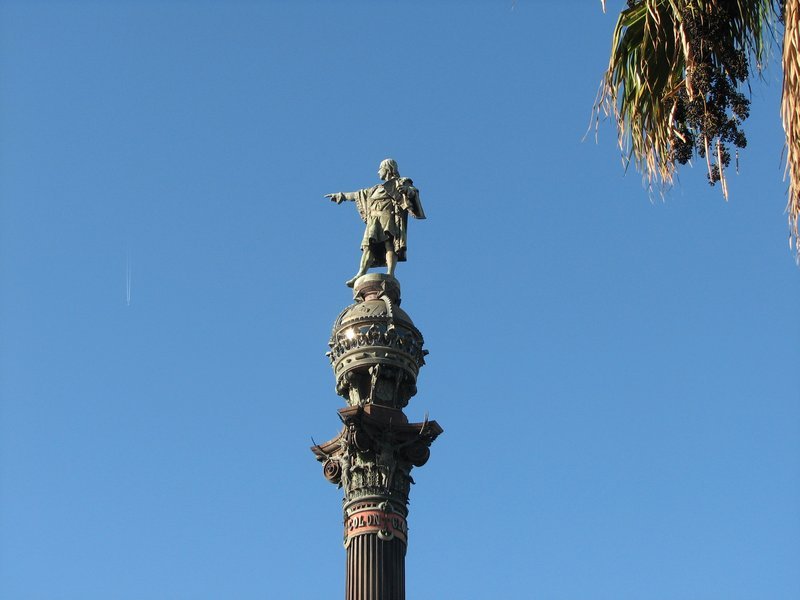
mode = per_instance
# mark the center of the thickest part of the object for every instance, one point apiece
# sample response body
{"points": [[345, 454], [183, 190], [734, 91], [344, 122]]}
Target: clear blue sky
{"points": [[617, 378]]}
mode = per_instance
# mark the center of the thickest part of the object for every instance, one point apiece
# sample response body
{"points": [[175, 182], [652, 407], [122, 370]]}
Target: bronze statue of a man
{"points": [[385, 209]]}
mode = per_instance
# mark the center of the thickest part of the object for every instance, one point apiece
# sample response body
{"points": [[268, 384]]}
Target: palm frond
{"points": [[645, 69], [654, 55], [790, 113]]}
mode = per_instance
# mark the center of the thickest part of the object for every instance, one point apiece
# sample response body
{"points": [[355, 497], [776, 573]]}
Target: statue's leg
{"points": [[391, 257], [366, 261]]}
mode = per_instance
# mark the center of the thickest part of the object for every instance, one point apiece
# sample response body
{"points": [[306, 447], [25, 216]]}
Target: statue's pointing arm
{"points": [[340, 197]]}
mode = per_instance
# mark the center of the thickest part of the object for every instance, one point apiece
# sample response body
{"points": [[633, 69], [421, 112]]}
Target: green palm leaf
{"points": [[674, 85]]}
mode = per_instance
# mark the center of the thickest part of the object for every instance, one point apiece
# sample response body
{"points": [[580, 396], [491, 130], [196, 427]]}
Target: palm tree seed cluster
{"points": [[709, 108]]}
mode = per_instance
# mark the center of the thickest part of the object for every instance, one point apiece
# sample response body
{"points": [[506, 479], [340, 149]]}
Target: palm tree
{"points": [[674, 85]]}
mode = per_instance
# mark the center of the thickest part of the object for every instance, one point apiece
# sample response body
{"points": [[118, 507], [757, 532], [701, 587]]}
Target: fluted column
{"points": [[375, 539], [376, 353]]}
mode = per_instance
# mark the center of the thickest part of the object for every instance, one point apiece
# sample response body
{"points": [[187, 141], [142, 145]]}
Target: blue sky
{"points": [[617, 378]]}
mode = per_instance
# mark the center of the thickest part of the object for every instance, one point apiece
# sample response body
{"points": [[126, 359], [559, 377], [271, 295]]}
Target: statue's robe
{"points": [[385, 209]]}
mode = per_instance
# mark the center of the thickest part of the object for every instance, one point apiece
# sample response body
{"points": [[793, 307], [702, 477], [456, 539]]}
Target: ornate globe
{"points": [[375, 349]]}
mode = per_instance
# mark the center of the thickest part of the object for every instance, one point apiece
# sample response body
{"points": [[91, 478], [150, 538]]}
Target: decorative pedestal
{"points": [[376, 353]]}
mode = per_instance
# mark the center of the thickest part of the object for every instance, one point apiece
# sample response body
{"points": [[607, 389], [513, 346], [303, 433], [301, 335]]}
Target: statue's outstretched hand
{"points": [[338, 197]]}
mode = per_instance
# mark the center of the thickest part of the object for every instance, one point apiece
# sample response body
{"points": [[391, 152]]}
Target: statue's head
{"points": [[388, 169]]}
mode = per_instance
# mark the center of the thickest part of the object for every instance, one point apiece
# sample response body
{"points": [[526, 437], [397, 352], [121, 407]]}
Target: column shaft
{"points": [[375, 569]]}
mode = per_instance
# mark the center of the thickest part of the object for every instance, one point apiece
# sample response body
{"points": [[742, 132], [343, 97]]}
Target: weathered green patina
{"points": [[384, 208]]}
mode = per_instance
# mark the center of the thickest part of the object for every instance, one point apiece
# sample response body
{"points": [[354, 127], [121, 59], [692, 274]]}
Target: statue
{"points": [[385, 209]]}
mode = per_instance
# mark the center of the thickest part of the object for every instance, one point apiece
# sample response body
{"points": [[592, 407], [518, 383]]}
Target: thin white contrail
{"points": [[128, 279]]}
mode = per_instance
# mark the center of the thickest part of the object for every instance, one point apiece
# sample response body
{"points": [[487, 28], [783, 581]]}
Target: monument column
{"points": [[376, 353]]}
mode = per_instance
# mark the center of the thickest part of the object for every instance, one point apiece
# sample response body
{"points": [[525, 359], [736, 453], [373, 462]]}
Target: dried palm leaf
{"points": [[790, 114]]}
